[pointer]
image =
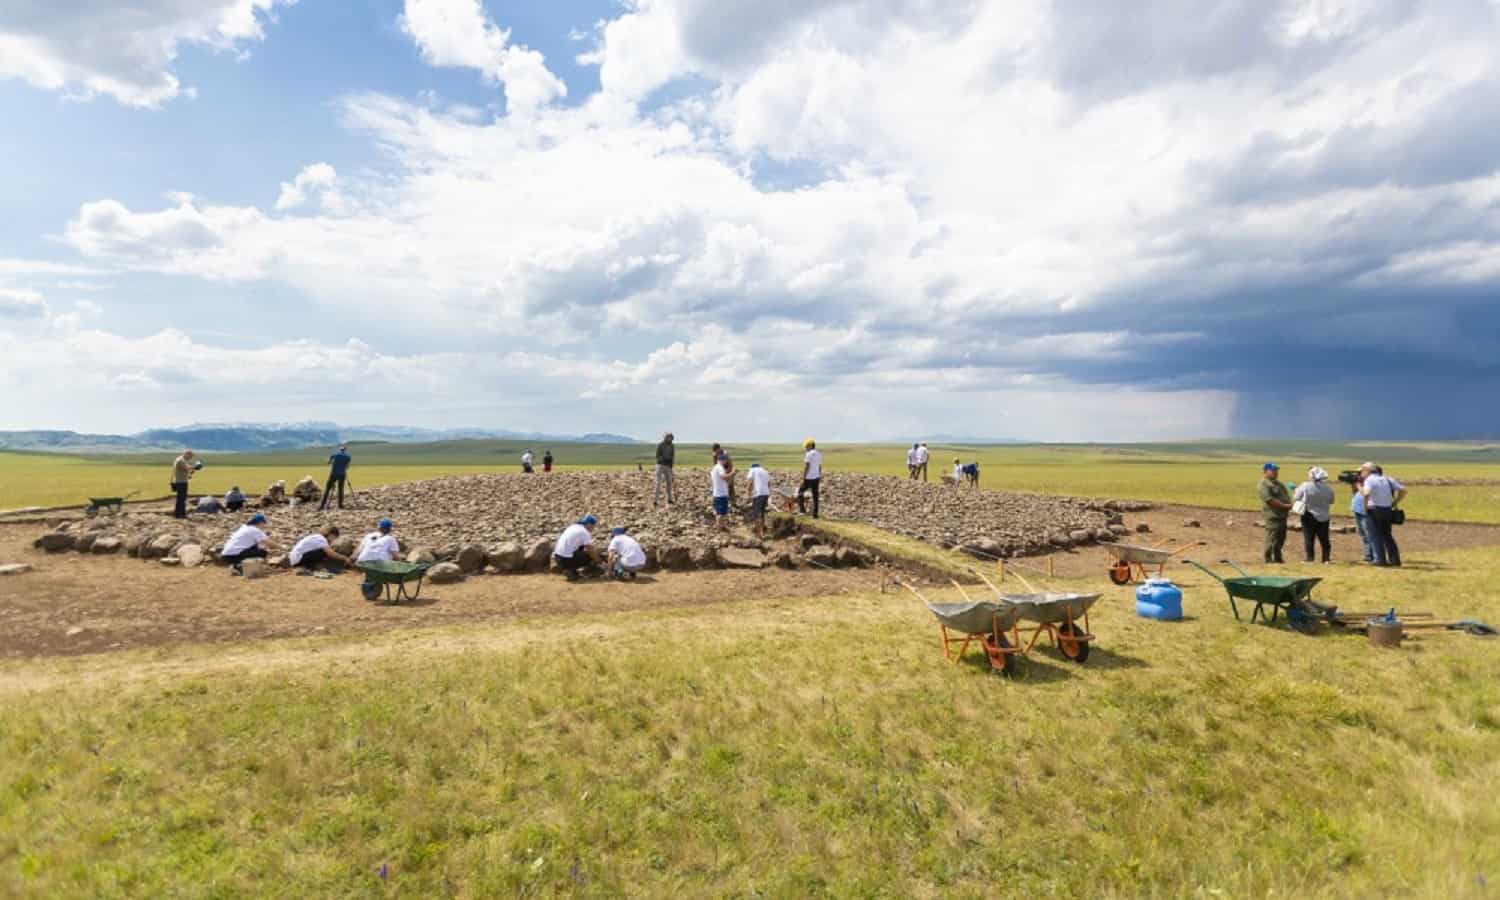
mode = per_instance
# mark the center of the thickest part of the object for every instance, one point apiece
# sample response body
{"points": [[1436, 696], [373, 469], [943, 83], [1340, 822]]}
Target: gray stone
{"points": [[1191, 523], [1142, 528], [851, 557], [1080, 536], [539, 555], [507, 557], [675, 556], [445, 573], [705, 557], [421, 556], [159, 546], [55, 542], [107, 544], [983, 548], [277, 561], [742, 558], [809, 541], [345, 545], [255, 568], [170, 561], [471, 559], [191, 556], [85, 541], [1117, 530], [783, 560], [821, 555], [133, 544], [14, 569], [1058, 539]]}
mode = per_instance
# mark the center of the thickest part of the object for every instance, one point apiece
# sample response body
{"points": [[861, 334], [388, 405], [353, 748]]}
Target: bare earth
{"points": [[73, 604]]}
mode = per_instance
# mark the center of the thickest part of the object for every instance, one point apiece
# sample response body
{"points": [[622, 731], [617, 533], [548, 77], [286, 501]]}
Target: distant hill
{"points": [[253, 437]]}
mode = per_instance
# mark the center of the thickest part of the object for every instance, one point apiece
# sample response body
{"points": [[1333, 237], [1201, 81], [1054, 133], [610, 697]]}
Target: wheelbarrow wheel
{"points": [[1119, 573], [1069, 644], [1007, 665]]}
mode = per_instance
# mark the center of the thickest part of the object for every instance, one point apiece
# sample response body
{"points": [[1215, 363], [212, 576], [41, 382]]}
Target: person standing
{"points": [[759, 481], [958, 472], [183, 469], [338, 474], [718, 479], [1316, 497], [1362, 521], [1275, 504], [812, 476], [1383, 496], [666, 458], [922, 456], [247, 542], [547, 462], [911, 463], [526, 460]]}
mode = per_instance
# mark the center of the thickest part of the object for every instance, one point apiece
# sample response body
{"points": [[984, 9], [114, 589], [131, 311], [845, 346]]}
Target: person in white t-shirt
{"points": [[812, 476], [626, 557], [718, 479], [526, 461], [922, 455], [958, 471], [247, 542], [575, 551], [911, 463], [314, 550], [379, 545], [759, 481]]}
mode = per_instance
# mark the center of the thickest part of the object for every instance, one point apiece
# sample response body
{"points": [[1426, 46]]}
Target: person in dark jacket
{"points": [[338, 473], [666, 457]]}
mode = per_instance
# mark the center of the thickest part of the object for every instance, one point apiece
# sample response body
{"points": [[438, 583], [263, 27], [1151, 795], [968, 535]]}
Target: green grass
{"points": [[1209, 474], [779, 749]]}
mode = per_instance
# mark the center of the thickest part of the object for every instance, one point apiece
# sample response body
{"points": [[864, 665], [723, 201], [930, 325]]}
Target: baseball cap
{"points": [[618, 529], [257, 519], [385, 525], [1270, 466], [588, 520]]}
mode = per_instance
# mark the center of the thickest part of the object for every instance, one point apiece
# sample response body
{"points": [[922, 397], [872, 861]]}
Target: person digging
{"points": [[575, 553], [314, 551]]}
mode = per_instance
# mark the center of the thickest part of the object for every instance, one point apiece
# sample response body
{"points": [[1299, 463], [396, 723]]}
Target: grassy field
{"points": [[770, 749], [1207, 474]]}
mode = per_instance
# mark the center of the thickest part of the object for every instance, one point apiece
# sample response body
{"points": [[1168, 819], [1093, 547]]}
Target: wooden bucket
{"points": [[1383, 633]]}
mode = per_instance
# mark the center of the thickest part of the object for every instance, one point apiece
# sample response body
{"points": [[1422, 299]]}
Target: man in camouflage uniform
{"points": [[1275, 504]]}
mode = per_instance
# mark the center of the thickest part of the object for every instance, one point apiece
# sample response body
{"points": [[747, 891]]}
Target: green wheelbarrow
{"points": [[106, 504], [392, 577], [1276, 592]]}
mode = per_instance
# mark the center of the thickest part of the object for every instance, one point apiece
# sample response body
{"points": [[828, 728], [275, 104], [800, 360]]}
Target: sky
{"points": [[853, 219]]}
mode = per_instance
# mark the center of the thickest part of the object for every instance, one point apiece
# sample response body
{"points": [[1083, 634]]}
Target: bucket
{"points": [[1383, 633]]}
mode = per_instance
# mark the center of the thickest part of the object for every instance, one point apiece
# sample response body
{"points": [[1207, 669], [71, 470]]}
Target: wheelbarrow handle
{"points": [[1186, 547], [1230, 562], [1201, 567]]}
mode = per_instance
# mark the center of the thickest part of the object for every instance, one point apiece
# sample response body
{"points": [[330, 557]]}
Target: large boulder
{"points": [[159, 546], [539, 555], [55, 542], [1081, 535], [507, 557], [255, 568], [345, 545], [783, 560], [134, 543], [471, 559], [85, 541], [190, 555], [107, 544], [741, 558], [851, 557], [821, 555], [675, 556], [445, 573], [984, 548], [421, 556], [705, 557]]}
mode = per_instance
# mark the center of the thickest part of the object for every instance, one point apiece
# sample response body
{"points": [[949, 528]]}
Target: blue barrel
{"points": [[1158, 598]]}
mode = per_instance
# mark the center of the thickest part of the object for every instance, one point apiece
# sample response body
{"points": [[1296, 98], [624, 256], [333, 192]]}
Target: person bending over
{"points": [[234, 501], [379, 545], [626, 557], [575, 552], [247, 542], [314, 551]]}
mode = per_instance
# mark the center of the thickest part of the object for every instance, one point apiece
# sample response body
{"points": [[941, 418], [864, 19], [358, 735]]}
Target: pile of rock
{"points": [[507, 522]]}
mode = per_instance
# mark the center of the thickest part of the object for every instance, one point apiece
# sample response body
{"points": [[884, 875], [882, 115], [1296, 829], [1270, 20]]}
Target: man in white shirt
{"points": [[378, 546], [922, 454], [718, 478], [812, 476], [526, 460], [314, 550], [958, 471], [575, 550], [1382, 495], [911, 463], [247, 542], [759, 481], [626, 557]]}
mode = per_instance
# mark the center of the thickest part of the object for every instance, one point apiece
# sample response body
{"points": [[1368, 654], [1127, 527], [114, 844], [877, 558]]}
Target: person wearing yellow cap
{"points": [[812, 475]]}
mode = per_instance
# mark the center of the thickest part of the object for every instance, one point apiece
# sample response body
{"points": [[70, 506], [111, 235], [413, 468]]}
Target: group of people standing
{"points": [[528, 459], [1375, 504], [721, 480]]}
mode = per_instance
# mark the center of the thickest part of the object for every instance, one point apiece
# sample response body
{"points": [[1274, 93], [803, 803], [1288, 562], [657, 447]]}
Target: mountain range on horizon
{"points": [[244, 437]]}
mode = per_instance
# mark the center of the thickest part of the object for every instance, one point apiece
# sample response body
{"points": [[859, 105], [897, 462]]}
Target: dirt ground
{"points": [[72, 604]]}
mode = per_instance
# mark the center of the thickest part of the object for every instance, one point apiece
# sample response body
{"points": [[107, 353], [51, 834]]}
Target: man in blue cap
{"points": [[338, 473], [626, 556], [247, 542], [574, 551], [379, 545], [1275, 504]]}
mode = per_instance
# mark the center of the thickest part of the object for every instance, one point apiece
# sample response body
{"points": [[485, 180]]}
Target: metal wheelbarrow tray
{"points": [[1063, 617], [995, 624], [393, 577], [1130, 559]]}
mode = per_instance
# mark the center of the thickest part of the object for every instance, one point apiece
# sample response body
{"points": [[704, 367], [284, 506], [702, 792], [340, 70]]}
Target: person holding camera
{"points": [[183, 469], [1383, 496]]}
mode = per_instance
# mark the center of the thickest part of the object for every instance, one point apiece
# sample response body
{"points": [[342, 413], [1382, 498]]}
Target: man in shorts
{"points": [[718, 478], [759, 481]]}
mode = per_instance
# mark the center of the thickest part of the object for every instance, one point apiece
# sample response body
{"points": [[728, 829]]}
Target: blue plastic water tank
{"points": [[1158, 598]]}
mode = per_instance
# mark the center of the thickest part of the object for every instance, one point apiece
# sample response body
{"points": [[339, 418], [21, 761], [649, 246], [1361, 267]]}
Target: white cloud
{"points": [[458, 33], [121, 50], [316, 179], [17, 303]]}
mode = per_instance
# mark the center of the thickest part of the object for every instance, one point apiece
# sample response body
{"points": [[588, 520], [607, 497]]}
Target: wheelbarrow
{"points": [[984, 622], [1278, 592], [392, 576], [1063, 617], [111, 505], [1130, 559]]}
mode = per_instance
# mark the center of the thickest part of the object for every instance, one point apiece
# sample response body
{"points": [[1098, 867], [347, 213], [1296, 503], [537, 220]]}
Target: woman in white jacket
{"points": [[1315, 498]]}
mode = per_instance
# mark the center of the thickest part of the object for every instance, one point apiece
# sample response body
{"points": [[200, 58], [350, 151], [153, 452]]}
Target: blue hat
{"points": [[588, 520], [385, 525], [618, 529], [1269, 466], [257, 519]]}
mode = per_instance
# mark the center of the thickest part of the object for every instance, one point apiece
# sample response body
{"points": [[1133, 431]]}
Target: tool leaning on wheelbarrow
{"points": [[1131, 558]]}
